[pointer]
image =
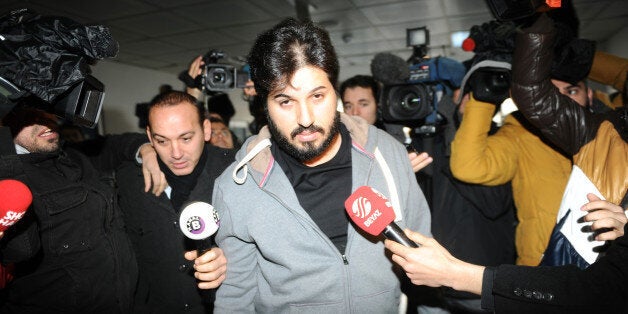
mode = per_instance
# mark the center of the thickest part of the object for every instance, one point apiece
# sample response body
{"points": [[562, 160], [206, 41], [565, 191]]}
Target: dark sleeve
{"points": [[491, 201], [21, 241], [601, 288], [560, 119], [488, 302], [107, 153]]}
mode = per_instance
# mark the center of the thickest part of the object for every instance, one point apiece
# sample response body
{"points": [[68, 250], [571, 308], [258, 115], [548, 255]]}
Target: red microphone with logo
{"points": [[15, 198], [372, 212]]}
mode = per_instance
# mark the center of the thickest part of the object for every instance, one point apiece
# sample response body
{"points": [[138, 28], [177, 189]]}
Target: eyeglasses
{"points": [[223, 132]]}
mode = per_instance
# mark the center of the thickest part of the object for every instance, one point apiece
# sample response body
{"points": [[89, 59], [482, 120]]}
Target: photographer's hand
{"points": [[195, 69], [419, 161]]}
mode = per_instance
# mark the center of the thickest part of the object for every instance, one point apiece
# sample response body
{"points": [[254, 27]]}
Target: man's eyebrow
{"points": [[311, 91], [180, 135], [280, 95]]}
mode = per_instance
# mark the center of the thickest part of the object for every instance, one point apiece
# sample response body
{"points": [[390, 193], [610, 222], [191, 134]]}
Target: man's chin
{"points": [[181, 171]]}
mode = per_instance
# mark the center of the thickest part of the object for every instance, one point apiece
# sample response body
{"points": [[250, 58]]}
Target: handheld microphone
{"points": [[199, 221], [373, 213], [15, 198]]}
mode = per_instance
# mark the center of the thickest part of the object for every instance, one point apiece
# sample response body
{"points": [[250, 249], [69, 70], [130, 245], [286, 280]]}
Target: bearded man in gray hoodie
{"points": [[289, 244]]}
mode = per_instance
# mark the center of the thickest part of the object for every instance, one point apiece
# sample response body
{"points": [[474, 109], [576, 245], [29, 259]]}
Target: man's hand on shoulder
{"points": [[153, 176]]}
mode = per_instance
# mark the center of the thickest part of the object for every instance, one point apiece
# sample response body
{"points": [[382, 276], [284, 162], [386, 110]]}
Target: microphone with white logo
{"points": [[373, 213], [15, 198], [199, 221]]}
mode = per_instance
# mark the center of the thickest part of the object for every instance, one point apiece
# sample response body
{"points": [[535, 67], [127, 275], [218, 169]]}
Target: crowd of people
{"points": [[102, 234]]}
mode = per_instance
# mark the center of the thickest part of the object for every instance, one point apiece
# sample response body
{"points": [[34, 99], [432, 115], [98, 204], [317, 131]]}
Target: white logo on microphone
{"points": [[361, 207]]}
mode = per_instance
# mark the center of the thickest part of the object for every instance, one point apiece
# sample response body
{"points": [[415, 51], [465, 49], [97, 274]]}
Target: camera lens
{"points": [[410, 101], [218, 76]]}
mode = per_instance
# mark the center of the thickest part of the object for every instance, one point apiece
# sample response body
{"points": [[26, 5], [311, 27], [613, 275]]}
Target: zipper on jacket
{"points": [[344, 259]]}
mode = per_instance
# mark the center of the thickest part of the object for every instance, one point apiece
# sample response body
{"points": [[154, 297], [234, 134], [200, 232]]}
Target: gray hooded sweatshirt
{"points": [[279, 260]]}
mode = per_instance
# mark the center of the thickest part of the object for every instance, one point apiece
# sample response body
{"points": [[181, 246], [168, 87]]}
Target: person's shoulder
{"points": [[127, 173], [384, 138], [218, 157], [216, 152]]}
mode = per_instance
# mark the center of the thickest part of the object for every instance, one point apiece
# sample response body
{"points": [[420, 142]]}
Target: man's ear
{"points": [[590, 95], [150, 138], [207, 130]]}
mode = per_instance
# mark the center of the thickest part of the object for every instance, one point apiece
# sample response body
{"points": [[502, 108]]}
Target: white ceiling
{"points": [[166, 35]]}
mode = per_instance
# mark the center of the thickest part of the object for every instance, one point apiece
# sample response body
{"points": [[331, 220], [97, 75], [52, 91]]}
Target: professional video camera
{"points": [[48, 57], [219, 76], [413, 89], [509, 10], [492, 43]]}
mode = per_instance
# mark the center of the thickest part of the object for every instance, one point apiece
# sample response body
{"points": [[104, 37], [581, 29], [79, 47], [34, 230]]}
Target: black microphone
{"points": [[372, 212], [389, 69], [199, 221]]}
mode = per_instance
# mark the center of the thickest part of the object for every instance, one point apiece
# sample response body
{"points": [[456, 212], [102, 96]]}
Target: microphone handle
{"points": [[203, 246], [393, 232]]}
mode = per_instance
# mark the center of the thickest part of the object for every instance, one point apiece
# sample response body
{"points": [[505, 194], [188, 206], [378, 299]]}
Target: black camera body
{"points": [[508, 10], [61, 48], [415, 102], [220, 76]]}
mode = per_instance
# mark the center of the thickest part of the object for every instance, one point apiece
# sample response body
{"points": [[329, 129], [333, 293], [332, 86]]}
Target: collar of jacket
{"points": [[255, 152]]}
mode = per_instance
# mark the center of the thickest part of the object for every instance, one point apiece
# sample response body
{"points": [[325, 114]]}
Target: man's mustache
{"points": [[311, 128]]}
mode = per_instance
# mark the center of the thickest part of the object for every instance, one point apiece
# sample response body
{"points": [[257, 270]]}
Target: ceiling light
{"points": [[458, 37]]}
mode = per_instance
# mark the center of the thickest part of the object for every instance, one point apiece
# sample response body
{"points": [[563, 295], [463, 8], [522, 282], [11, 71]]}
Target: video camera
{"points": [[62, 49], [219, 76], [412, 99], [509, 10]]}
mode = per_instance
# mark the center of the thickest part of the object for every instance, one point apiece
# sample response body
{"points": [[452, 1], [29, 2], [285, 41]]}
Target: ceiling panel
{"points": [[403, 11], [464, 23], [223, 13], [200, 39], [156, 24], [464, 7], [166, 35], [98, 10]]}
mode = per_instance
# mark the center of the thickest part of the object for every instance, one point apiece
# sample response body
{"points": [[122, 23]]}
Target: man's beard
{"points": [[310, 151], [51, 147]]}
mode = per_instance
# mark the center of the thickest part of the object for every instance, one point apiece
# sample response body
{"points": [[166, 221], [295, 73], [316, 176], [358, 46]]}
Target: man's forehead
{"points": [[563, 84]]}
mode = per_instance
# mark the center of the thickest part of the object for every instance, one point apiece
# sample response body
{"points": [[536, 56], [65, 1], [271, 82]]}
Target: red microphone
{"points": [[373, 213], [15, 197]]}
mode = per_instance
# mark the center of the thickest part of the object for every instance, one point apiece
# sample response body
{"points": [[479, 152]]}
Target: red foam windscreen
{"points": [[15, 197], [369, 210]]}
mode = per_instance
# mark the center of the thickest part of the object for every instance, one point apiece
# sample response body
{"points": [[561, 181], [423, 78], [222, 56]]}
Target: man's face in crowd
{"points": [[303, 118], [359, 101], [177, 135], [40, 133], [221, 136], [580, 93]]}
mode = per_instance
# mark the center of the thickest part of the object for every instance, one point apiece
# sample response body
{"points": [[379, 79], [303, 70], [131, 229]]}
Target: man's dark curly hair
{"points": [[290, 45]]}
